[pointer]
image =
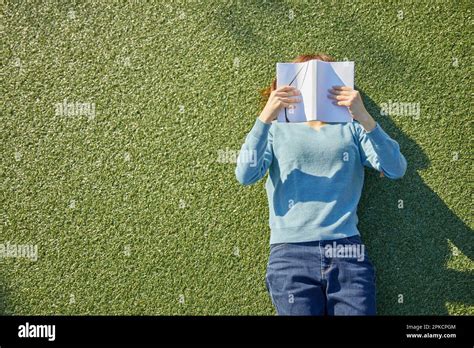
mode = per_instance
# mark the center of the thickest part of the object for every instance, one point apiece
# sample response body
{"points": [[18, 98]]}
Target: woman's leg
{"points": [[293, 279], [349, 276]]}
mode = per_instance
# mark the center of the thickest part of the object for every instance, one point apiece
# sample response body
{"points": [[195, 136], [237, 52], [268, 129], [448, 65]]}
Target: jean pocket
{"points": [[278, 246], [269, 289], [351, 240]]}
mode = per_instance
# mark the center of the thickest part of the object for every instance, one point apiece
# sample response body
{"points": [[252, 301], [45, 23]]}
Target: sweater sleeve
{"points": [[380, 152], [256, 154]]}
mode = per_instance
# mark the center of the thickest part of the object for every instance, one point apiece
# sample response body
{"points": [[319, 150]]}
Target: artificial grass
{"points": [[132, 211]]}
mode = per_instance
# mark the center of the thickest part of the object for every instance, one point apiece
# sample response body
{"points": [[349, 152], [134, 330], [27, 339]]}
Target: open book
{"points": [[314, 78]]}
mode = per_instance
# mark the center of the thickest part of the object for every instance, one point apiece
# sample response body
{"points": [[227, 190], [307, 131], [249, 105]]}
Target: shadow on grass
{"points": [[410, 246], [231, 19]]}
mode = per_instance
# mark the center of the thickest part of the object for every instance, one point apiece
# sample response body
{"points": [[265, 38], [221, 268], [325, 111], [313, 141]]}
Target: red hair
{"points": [[265, 93]]}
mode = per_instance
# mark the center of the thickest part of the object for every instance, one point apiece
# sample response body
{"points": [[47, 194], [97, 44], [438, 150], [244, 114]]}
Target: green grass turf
{"points": [[131, 210]]}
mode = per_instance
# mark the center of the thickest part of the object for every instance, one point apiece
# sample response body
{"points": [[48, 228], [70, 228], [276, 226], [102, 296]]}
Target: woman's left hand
{"points": [[349, 97]]}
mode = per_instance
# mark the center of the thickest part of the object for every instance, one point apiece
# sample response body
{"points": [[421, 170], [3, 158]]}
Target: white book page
{"points": [[301, 76], [332, 74]]}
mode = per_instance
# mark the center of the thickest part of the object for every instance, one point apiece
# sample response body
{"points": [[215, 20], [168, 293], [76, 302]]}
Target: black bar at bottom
{"points": [[419, 330]]}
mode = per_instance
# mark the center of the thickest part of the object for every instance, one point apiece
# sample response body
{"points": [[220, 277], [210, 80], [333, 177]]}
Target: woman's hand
{"points": [[349, 97], [279, 98]]}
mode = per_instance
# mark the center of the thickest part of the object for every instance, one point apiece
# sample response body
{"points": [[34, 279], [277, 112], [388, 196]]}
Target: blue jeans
{"points": [[329, 277]]}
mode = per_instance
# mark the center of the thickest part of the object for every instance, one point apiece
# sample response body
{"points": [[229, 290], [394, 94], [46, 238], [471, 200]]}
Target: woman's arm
{"points": [[377, 149], [256, 153], [380, 152]]}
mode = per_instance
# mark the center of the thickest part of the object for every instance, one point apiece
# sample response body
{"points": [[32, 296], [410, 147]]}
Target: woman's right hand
{"points": [[279, 98]]}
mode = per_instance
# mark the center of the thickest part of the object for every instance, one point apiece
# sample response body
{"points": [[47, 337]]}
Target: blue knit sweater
{"points": [[315, 176]]}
